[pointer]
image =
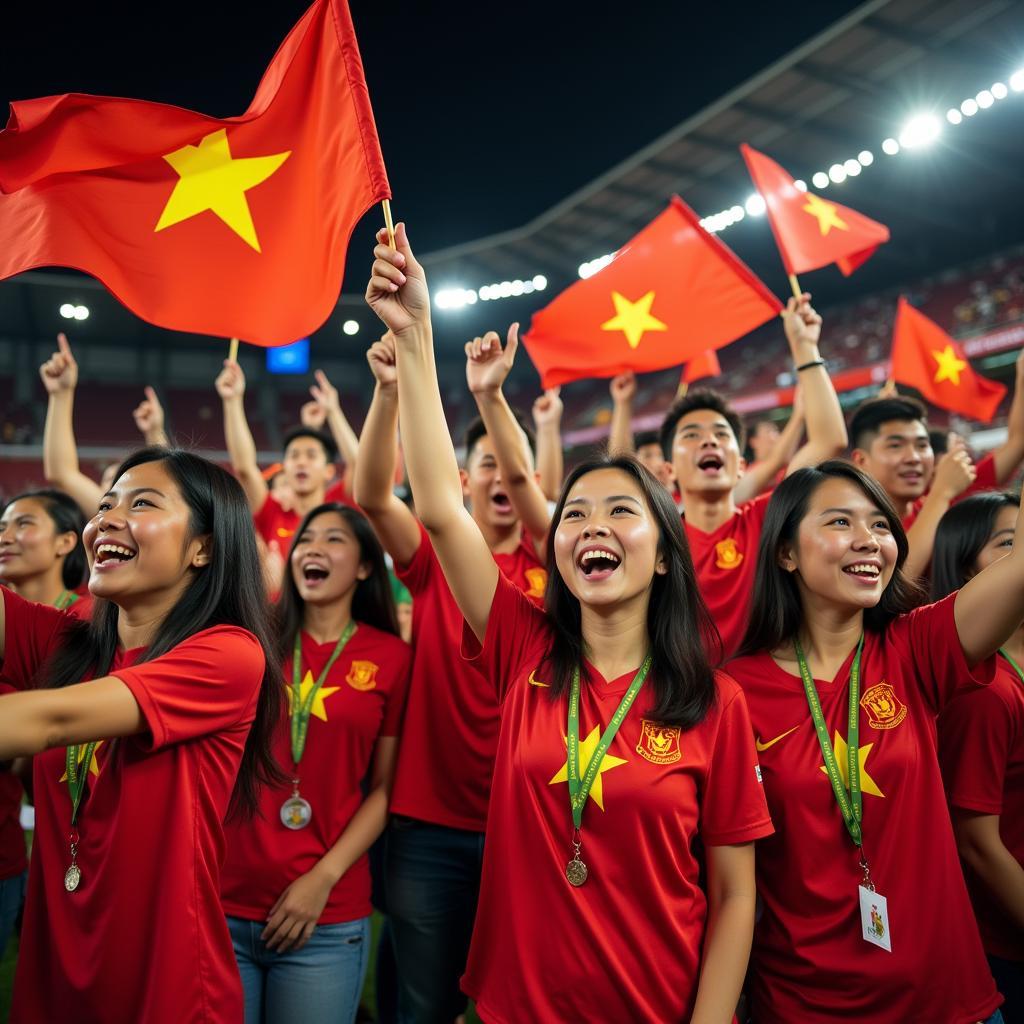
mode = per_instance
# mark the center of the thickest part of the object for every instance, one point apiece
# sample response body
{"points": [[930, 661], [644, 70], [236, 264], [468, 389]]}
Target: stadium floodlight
{"points": [[985, 99], [67, 311], [920, 131], [999, 91], [540, 282], [953, 116], [866, 158], [837, 173], [454, 298], [968, 108], [1017, 81], [755, 205], [350, 327], [800, 185], [820, 179], [81, 312], [853, 167], [890, 147]]}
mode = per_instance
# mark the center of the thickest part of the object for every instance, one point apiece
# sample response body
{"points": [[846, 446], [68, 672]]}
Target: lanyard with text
{"points": [[66, 599], [579, 788], [77, 759], [1016, 667]]}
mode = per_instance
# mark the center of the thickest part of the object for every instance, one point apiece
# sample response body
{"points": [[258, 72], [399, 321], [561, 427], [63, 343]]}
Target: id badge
{"points": [[874, 918]]}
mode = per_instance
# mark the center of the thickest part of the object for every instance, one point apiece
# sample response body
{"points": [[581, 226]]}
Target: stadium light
{"points": [[81, 313], [999, 91], [837, 173], [985, 99], [866, 157], [350, 327], [1017, 81], [923, 130], [820, 179], [890, 147], [67, 311], [953, 116], [853, 167], [800, 185], [968, 108], [755, 205]]}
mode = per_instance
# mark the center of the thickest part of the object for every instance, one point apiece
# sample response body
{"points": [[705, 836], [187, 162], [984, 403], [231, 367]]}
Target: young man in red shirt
{"points": [[703, 437]]}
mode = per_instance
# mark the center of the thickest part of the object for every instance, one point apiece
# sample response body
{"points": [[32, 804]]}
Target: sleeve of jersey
{"points": [[204, 685], [398, 666], [418, 573], [927, 643], [31, 632], [975, 735], [516, 628], [733, 805], [264, 519]]}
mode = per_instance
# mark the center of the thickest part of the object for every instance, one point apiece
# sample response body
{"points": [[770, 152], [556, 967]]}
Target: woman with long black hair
{"points": [[866, 916], [296, 881], [592, 902], [152, 723], [981, 748]]}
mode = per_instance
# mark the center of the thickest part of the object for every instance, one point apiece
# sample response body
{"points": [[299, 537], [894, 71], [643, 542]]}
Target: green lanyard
{"points": [[849, 804], [301, 708], [76, 781], [1016, 667], [579, 789], [65, 600]]}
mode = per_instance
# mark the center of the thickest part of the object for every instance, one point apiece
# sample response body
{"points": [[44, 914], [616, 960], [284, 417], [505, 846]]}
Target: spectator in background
{"points": [[646, 445]]}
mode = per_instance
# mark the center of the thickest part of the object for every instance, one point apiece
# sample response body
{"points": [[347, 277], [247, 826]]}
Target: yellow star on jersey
{"points": [[209, 178], [950, 365], [305, 686], [842, 751], [94, 765], [587, 748], [633, 318], [826, 213]]}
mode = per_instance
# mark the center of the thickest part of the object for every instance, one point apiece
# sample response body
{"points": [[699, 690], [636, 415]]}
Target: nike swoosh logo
{"points": [[761, 747], [536, 682]]}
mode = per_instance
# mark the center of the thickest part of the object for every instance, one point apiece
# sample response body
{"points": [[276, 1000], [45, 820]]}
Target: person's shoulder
{"points": [[230, 641], [381, 639], [726, 686]]}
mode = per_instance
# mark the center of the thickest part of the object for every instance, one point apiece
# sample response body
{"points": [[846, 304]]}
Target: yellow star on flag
{"points": [[94, 765], [209, 178], [826, 213], [318, 709], [633, 318], [608, 762], [842, 751], [950, 365]]}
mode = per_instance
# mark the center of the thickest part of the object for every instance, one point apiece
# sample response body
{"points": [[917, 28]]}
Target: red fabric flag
{"points": [[672, 292], [925, 357], [704, 365], [233, 227], [811, 232]]}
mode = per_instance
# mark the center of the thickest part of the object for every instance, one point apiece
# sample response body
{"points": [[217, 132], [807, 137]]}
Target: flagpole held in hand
{"points": [[795, 285], [233, 350], [388, 222]]}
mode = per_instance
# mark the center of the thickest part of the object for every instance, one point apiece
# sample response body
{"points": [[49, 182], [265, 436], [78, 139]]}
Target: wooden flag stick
{"points": [[795, 285], [389, 223], [684, 386], [233, 350]]}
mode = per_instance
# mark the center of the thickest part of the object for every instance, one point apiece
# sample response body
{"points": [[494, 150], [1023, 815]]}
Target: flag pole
{"points": [[795, 285], [233, 351], [684, 386], [388, 222]]}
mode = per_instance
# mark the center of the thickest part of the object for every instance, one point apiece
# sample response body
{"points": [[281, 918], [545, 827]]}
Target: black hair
{"points": [[960, 536], [67, 517], [372, 601], [228, 591], [702, 398], [681, 629], [776, 611], [642, 438], [869, 416], [939, 440], [324, 439], [476, 430]]}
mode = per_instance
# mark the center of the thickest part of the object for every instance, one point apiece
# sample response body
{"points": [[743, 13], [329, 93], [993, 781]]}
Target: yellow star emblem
{"points": [[826, 213], [842, 751], [950, 365], [209, 178], [608, 762], [318, 710], [633, 318], [94, 765]]}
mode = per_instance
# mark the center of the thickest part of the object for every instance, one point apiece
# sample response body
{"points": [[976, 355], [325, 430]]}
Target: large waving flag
{"points": [[927, 358], [234, 227], [670, 294], [811, 232]]}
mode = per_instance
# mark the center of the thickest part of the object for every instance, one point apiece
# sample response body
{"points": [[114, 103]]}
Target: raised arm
{"points": [[230, 385], [60, 452], [759, 477], [326, 394], [397, 293], [623, 391], [826, 428], [1010, 454], [149, 418], [487, 366], [374, 479], [547, 421]]}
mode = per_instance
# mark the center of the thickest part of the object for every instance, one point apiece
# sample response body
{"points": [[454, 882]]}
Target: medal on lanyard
{"points": [[296, 812], [873, 905], [77, 756], [576, 870]]}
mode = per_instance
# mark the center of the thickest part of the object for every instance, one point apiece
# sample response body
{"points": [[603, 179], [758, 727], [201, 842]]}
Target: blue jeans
{"points": [[433, 881], [12, 895], [319, 983], [996, 1018]]}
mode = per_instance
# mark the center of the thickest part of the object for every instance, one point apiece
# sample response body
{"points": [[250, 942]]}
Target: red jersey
{"points": [[625, 946], [725, 561], [984, 480], [144, 937], [810, 962], [451, 721], [981, 749], [361, 699], [276, 525]]}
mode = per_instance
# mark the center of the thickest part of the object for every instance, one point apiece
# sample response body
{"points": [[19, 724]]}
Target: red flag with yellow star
{"points": [[925, 357], [704, 365], [811, 232], [235, 227], [671, 293]]}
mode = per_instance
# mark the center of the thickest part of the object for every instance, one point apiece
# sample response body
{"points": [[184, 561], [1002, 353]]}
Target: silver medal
{"points": [[72, 878], [296, 813]]}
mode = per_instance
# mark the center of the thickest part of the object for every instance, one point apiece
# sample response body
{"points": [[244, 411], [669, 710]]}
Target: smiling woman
{"points": [[151, 723]]}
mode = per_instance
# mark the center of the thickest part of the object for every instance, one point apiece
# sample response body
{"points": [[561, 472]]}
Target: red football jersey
{"points": [[361, 699], [276, 525], [810, 962], [984, 480], [451, 720], [981, 748], [725, 561], [625, 946], [144, 937]]}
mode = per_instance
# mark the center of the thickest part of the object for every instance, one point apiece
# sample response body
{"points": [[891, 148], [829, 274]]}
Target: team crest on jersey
{"points": [[884, 709], [728, 555], [659, 744], [283, 533], [362, 675], [538, 580]]}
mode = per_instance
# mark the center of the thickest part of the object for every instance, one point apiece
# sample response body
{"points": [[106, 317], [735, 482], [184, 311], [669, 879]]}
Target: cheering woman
{"points": [[296, 882], [152, 723], [591, 904], [866, 915]]}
